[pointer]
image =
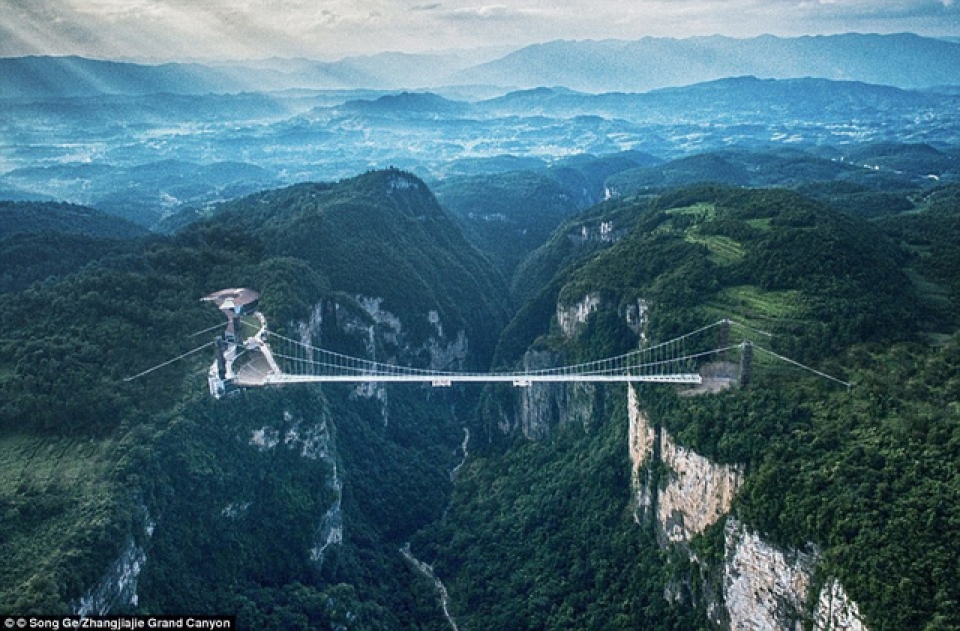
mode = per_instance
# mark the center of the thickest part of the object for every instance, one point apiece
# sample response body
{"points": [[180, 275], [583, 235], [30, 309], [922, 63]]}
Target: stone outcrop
{"points": [[572, 317], [635, 315], [118, 587], [642, 438], [764, 587], [760, 586], [697, 493], [835, 611]]}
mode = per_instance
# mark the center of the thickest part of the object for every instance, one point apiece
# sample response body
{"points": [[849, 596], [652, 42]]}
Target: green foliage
{"points": [[89, 460], [933, 238], [867, 475], [60, 518], [290, 288], [68, 219], [66, 413], [869, 180], [538, 535], [29, 258], [240, 487], [363, 235], [835, 276], [509, 215], [541, 537]]}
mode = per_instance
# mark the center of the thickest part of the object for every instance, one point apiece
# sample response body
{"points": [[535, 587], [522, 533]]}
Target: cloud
{"points": [[488, 12], [335, 28]]}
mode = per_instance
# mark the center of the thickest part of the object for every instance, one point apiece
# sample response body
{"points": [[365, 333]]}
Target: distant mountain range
{"points": [[902, 60], [905, 60]]}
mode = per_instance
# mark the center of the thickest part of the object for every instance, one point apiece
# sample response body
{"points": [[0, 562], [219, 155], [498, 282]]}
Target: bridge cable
{"points": [[169, 361], [799, 365]]}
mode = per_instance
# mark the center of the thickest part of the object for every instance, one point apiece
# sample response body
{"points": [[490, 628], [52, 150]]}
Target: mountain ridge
{"points": [[904, 60], [610, 65]]}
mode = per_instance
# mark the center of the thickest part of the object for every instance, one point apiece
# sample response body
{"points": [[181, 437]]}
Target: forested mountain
{"points": [[101, 475], [40, 241], [884, 168], [774, 221], [52, 218], [537, 507], [830, 474], [507, 215]]}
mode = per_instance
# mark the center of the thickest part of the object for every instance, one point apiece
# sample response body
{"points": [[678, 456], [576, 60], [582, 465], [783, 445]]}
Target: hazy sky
{"points": [[330, 29]]}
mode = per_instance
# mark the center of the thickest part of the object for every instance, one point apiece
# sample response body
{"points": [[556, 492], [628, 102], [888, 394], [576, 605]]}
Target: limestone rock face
{"points": [[764, 587], [572, 317], [118, 587], [835, 611], [698, 492], [760, 586], [642, 438]]}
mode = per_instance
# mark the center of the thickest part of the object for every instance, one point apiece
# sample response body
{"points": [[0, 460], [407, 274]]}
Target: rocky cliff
{"points": [[764, 586], [691, 494]]}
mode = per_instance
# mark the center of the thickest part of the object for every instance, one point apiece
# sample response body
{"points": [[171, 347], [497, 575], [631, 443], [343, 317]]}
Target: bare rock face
{"points": [[642, 438], [118, 587], [835, 611], [764, 587], [697, 494], [760, 586], [572, 317]]}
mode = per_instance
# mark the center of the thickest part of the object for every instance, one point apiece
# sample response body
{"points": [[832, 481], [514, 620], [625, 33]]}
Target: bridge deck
{"points": [[448, 379]]}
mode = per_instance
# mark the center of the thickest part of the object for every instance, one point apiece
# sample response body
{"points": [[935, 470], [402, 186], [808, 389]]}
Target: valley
{"points": [[495, 227], [147, 158]]}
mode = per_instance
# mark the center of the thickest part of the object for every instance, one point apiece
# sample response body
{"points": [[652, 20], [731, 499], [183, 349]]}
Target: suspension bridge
{"points": [[265, 358]]}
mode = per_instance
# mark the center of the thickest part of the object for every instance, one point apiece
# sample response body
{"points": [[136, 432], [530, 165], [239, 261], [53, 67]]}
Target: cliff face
{"points": [[572, 317], [763, 586], [835, 611], [542, 406], [696, 494], [118, 587]]}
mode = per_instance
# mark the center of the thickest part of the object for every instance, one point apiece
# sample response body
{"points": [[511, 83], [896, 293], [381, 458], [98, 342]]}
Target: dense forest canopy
{"points": [[229, 502]]}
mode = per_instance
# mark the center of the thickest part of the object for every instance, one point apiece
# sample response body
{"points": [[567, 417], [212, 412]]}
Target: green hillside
{"points": [[869, 179], [508, 215], [40, 240], [932, 238], [290, 507], [382, 235], [95, 468], [54, 218], [857, 471], [778, 261]]}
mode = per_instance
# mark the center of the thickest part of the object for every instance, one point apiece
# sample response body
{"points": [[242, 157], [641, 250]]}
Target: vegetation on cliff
{"points": [[233, 502], [866, 474]]}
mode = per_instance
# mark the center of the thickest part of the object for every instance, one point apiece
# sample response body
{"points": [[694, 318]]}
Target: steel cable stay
{"points": [[660, 351], [346, 365], [284, 360], [169, 361]]}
